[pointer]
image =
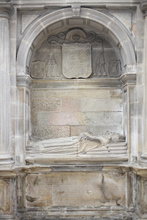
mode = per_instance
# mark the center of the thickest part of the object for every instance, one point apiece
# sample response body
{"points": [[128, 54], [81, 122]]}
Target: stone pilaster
{"points": [[23, 118], [144, 150], [5, 100]]}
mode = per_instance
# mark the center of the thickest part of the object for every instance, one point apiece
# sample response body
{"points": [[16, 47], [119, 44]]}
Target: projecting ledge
{"points": [[144, 158], [6, 161], [45, 160], [91, 83]]}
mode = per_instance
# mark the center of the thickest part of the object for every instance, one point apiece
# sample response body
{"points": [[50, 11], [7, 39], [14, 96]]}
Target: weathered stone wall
{"points": [[64, 113]]}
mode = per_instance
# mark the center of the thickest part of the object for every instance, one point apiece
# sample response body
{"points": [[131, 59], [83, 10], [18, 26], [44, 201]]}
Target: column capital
{"points": [[6, 10], [143, 6]]}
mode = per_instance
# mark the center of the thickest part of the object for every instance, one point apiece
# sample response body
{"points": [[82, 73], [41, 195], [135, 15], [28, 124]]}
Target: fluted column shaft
{"points": [[144, 150], [145, 84], [4, 84]]}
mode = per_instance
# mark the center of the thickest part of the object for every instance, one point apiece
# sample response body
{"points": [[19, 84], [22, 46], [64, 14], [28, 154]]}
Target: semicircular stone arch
{"points": [[115, 30]]}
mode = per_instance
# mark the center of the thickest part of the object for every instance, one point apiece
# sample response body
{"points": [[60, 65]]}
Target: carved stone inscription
{"points": [[76, 60]]}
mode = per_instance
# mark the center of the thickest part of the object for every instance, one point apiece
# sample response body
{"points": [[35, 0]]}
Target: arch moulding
{"points": [[107, 20]]}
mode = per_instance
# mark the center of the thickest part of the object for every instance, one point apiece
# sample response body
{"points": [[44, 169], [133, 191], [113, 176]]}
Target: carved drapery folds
{"points": [[85, 146], [92, 56]]}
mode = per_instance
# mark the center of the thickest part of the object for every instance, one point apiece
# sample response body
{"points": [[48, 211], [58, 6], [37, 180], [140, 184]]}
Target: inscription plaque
{"points": [[76, 60]]}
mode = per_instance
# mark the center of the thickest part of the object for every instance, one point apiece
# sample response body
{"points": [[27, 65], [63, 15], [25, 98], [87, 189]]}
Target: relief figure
{"points": [[77, 145]]}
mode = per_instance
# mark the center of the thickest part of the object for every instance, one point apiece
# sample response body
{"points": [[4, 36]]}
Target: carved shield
{"points": [[76, 60]]}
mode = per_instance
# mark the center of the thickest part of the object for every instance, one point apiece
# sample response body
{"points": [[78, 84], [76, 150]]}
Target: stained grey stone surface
{"points": [[102, 44], [76, 60], [70, 112], [68, 193]]}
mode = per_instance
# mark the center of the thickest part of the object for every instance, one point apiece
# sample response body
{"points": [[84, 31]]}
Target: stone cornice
{"points": [[5, 6], [32, 4]]}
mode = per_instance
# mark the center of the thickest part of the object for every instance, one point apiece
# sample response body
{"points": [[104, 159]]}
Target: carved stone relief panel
{"points": [[105, 63], [99, 63], [76, 189], [53, 64], [47, 63], [75, 54]]}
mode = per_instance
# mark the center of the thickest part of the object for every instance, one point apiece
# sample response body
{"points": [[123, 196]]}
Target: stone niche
{"points": [[76, 95]]}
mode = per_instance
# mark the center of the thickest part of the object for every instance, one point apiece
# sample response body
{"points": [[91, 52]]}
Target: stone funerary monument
{"points": [[73, 110]]}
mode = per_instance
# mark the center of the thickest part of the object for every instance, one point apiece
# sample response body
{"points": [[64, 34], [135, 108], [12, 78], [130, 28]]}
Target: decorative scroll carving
{"points": [[75, 35]]}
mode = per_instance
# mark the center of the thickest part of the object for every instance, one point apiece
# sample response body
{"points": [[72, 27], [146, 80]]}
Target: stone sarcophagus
{"points": [[48, 194]]}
